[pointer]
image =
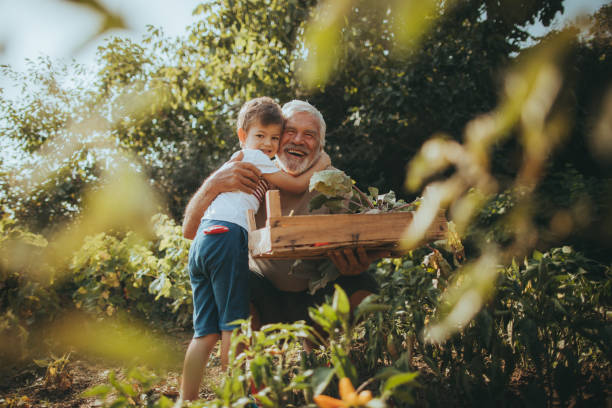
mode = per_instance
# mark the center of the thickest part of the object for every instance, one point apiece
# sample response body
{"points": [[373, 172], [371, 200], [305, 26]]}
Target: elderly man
{"points": [[276, 294]]}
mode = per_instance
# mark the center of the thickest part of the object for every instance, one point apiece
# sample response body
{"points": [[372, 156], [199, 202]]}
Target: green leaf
{"points": [[101, 390], [537, 255], [42, 363], [335, 204], [257, 369], [341, 302], [366, 308], [265, 400], [321, 378], [329, 313], [399, 379], [317, 202], [342, 363], [164, 402], [331, 183], [319, 318], [388, 198]]}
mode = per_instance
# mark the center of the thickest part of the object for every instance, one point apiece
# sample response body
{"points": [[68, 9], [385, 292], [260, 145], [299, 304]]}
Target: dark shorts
{"points": [[219, 274], [277, 306]]}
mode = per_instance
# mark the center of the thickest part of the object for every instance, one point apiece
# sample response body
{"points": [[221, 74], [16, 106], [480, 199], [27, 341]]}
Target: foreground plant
{"points": [[349, 397]]}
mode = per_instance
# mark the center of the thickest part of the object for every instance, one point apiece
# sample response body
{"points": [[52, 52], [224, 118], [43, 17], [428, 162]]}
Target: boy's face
{"points": [[260, 137]]}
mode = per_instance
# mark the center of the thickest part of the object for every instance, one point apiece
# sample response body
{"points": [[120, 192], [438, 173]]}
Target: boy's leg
{"points": [[205, 319], [230, 285], [226, 342], [195, 362]]}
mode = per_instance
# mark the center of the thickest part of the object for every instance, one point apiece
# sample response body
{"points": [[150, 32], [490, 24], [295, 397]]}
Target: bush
{"points": [[27, 296], [148, 279], [109, 273], [547, 321]]}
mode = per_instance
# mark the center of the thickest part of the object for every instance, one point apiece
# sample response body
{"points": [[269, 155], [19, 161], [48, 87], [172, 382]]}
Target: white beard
{"points": [[295, 166]]}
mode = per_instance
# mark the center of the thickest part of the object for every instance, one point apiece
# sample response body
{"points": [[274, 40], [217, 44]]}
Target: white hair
{"points": [[297, 106]]}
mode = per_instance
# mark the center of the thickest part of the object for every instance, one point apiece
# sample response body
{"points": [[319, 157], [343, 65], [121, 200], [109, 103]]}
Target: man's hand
{"points": [[354, 262], [238, 175]]}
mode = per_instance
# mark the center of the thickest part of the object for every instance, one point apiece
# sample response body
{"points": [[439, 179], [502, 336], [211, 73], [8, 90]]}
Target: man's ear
{"points": [[242, 136]]}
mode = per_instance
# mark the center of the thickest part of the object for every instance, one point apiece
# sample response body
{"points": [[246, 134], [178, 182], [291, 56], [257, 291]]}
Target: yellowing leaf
{"points": [[331, 183]]}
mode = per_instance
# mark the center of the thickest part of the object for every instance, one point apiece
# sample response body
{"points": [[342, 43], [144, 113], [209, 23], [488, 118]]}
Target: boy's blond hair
{"points": [[263, 110]]}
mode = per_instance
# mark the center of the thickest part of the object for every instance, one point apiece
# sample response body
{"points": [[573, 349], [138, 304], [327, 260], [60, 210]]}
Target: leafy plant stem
{"points": [[360, 203], [365, 384], [362, 194], [403, 206]]}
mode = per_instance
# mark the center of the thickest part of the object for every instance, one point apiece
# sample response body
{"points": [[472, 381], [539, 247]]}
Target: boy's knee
{"points": [[207, 339]]}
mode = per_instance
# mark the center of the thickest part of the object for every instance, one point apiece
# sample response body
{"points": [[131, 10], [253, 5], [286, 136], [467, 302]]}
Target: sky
{"points": [[59, 28]]}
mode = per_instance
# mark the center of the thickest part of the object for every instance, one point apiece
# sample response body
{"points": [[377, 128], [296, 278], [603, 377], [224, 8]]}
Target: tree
{"points": [[388, 97], [173, 102], [43, 187]]}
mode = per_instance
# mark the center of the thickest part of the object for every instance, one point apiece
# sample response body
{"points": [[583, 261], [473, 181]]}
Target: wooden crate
{"points": [[311, 236]]}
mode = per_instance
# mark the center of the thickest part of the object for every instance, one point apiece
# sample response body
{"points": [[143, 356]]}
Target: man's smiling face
{"points": [[300, 143]]}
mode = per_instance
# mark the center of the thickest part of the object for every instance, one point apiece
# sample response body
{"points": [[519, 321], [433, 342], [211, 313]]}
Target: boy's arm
{"points": [[297, 184]]}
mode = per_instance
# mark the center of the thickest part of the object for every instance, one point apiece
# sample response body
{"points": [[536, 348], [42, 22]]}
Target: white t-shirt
{"points": [[232, 206]]}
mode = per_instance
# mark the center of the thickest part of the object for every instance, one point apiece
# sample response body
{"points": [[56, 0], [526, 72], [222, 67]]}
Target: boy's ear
{"points": [[241, 136]]}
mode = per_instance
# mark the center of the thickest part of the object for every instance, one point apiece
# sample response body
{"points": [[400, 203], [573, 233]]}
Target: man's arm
{"points": [[238, 175]]}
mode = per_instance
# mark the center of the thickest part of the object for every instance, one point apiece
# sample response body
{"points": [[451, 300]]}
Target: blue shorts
{"points": [[219, 274]]}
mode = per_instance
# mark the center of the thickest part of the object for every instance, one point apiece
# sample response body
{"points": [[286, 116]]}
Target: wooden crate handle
{"points": [[273, 207]]}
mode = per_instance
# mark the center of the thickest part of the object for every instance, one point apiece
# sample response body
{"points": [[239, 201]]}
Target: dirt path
{"points": [[31, 385]]}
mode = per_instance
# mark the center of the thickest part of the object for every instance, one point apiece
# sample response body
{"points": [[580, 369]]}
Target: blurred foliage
{"points": [[520, 156], [114, 273], [27, 301], [110, 275], [136, 388]]}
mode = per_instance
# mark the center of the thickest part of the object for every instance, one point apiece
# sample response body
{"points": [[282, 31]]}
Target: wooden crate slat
{"points": [[304, 252], [306, 230], [308, 236]]}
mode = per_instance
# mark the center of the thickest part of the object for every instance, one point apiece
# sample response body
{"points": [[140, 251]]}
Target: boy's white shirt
{"points": [[232, 206]]}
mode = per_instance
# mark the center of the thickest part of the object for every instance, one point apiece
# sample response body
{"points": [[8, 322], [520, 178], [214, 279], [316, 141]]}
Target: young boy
{"points": [[218, 258]]}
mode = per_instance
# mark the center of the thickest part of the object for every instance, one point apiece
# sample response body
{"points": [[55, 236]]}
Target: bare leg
{"points": [[255, 321], [226, 342], [196, 358], [307, 345]]}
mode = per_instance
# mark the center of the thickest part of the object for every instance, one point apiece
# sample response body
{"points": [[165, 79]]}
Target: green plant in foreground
{"points": [[134, 390], [266, 363], [548, 321]]}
